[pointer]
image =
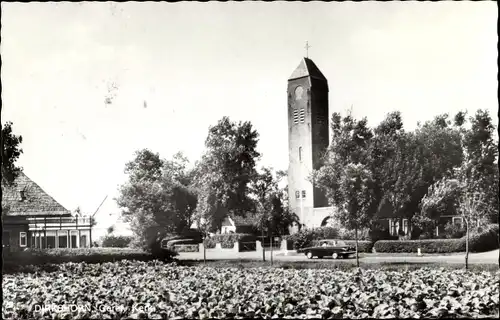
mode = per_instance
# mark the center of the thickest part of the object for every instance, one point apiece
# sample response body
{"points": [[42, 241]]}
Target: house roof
{"points": [[307, 68], [35, 201]]}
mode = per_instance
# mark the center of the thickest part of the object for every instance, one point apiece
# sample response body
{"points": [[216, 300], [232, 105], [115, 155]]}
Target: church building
{"points": [[308, 140]]}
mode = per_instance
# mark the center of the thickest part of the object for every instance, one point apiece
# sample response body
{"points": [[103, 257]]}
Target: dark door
{"points": [[6, 239]]}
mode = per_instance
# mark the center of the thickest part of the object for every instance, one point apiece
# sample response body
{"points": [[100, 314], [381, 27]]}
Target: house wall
{"points": [[14, 235], [66, 238]]}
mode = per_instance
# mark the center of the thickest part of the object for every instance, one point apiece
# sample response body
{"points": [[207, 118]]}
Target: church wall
{"points": [[320, 132], [299, 136]]}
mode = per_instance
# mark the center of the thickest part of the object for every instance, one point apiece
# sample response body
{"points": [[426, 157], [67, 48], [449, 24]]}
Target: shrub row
{"points": [[363, 245], [305, 237], [227, 240], [186, 248], [112, 241], [481, 240], [15, 260], [427, 246]]}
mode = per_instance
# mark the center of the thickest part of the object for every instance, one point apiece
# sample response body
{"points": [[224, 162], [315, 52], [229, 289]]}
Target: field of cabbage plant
{"points": [[132, 290]]}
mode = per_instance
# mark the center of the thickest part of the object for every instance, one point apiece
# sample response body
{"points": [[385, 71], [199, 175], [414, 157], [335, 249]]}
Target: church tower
{"points": [[308, 139]]}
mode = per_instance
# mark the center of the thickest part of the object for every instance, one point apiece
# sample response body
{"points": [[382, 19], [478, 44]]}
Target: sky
{"points": [[171, 70]]}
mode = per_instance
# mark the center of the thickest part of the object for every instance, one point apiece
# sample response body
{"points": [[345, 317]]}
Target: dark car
{"points": [[324, 248], [187, 237]]}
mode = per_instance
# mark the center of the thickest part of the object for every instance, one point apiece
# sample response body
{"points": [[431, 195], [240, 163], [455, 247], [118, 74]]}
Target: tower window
{"points": [[295, 116], [297, 194], [303, 194], [302, 116], [300, 154]]}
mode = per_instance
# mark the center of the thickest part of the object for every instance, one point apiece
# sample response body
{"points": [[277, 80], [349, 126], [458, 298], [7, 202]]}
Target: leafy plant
{"points": [[155, 290]]}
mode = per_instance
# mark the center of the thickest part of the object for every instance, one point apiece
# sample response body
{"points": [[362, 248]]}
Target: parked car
{"points": [[187, 237], [328, 247]]}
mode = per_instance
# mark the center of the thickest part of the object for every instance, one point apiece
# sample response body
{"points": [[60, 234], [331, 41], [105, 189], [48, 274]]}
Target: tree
{"points": [[157, 198], [356, 191], [441, 198], [387, 153], [420, 159], [461, 195], [228, 166], [350, 142], [273, 217], [480, 156], [11, 150]]}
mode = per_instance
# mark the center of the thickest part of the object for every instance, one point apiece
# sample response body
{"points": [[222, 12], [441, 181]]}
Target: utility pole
{"points": [[92, 219]]}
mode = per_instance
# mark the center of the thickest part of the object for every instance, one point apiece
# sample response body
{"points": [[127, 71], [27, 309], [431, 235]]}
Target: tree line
{"points": [[168, 196], [446, 166]]}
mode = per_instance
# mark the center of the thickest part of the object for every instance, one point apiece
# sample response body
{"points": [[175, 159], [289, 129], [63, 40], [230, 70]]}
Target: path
{"points": [[490, 257]]}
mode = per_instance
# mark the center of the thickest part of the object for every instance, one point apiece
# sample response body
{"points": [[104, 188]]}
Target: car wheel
{"points": [[335, 255], [309, 255]]}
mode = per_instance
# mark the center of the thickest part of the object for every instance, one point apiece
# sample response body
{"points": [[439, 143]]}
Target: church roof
{"points": [[26, 198], [307, 68]]}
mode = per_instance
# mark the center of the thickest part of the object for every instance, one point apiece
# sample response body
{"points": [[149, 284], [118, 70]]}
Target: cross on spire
{"points": [[307, 49]]}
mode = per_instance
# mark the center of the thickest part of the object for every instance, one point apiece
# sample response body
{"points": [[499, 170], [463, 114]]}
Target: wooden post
{"points": [[467, 245], [263, 241], [356, 236]]}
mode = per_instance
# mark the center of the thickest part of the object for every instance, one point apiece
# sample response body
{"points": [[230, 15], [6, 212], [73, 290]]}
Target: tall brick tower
{"points": [[308, 139]]}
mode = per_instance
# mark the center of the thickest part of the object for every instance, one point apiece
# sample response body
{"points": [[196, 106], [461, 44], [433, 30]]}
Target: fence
{"points": [[246, 246]]}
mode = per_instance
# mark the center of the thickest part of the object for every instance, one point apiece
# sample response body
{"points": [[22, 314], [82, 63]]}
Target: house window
{"points": [[457, 220], [394, 226], [63, 239], [303, 194], [22, 195], [405, 226], [23, 239], [300, 154], [297, 194], [73, 237]]}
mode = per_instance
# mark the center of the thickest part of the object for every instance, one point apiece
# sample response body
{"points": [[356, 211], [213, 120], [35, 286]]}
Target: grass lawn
{"points": [[341, 265]]}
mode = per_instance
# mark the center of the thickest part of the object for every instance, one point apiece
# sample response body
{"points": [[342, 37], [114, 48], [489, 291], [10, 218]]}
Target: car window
{"points": [[340, 243]]}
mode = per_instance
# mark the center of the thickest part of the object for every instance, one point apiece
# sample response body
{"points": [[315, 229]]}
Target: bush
{"points": [[379, 231], [227, 240], [112, 241], [186, 248], [483, 239], [363, 245], [363, 234], [453, 231], [39, 257], [426, 246], [305, 237]]}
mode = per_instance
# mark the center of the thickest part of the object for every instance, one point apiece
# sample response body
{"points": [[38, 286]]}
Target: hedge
{"points": [[227, 240], [186, 248], [37, 257], [305, 237], [112, 241], [363, 245], [484, 239], [426, 246]]}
